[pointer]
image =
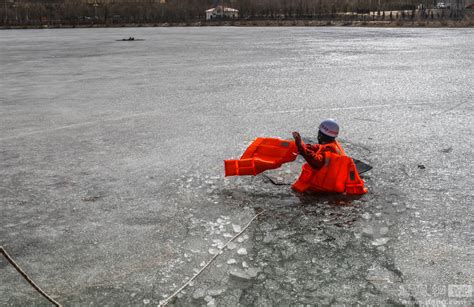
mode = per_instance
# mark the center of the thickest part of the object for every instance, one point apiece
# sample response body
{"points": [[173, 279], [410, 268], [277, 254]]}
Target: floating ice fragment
{"points": [[231, 261], [366, 216], [239, 274], [202, 263], [220, 221], [215, 292], [227, 235], [240, 239], [231, 245], [378, 214], [244, 264], [242, 251], [380, 241], [252, 272], [236, 228], [213, 251], [216, 242], [199, 293], [368, 230], [208, 298], [146, 301], [383, 230]]}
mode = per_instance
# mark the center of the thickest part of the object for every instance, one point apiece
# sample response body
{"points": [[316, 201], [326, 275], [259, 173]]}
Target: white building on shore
{"points": [[221, 12]]}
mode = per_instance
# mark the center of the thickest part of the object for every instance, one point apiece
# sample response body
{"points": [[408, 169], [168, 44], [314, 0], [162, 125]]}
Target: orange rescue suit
{"points": [[338, 174]]}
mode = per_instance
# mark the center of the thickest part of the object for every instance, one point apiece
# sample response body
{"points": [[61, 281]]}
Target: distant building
{"points": [[453, 4], [221, 12]]}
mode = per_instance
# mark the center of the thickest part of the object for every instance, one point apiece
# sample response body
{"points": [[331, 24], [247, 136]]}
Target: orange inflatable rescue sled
{"points": [[263, 154]]}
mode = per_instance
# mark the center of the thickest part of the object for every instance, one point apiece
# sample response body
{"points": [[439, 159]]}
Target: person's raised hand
{"points": [[297, 136]]}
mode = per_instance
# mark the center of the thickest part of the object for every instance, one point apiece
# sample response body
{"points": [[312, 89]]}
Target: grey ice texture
{"points": [[111, 165]]}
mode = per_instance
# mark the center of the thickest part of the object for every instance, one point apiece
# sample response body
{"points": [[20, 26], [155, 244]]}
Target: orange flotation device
{"points": [[338, 175], [263, 154]]}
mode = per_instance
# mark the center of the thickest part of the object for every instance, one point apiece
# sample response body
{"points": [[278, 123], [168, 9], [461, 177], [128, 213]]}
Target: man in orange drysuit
{"points": [[314, 154], [328, 169]]}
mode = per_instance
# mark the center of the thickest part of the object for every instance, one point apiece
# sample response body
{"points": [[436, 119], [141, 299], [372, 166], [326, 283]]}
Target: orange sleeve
{"points": [[314, 156]]}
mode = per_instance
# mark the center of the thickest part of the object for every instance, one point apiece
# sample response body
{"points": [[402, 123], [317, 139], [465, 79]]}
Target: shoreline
{"points": [[444, 23]]}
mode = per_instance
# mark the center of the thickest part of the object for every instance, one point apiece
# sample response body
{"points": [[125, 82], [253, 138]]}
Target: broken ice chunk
{"points": [[215, 292], [380, 241], [242, 251], [236, 228], [213, 251], [198, 293], [231, 261], [252, 272], [239, 274]]}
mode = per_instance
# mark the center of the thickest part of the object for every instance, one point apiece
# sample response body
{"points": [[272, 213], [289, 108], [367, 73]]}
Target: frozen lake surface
{"points": [[111, 172]]}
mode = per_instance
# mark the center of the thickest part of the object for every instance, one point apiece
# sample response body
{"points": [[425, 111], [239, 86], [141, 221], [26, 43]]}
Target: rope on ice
{"points": [[169, 298]]}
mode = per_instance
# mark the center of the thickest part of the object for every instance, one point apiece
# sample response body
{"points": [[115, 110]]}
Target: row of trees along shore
{"points": [[83, 12]]}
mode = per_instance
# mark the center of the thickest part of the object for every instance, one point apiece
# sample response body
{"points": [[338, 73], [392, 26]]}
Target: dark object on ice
{"points": [[90, 198], [274, 181], [131, 38], [421, 166], [447, 150], [361, 166]]}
